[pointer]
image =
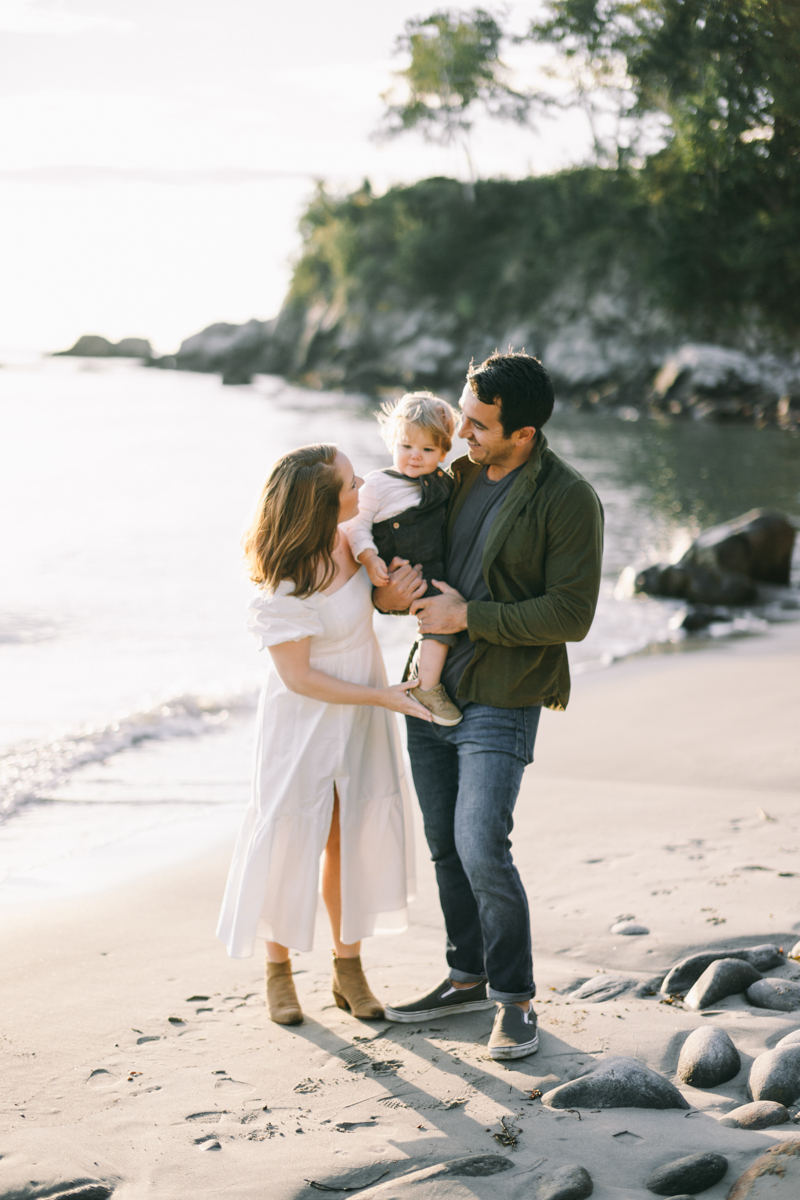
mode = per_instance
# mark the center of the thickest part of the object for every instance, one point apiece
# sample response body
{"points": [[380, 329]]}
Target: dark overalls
{"points": [[417, 534]]}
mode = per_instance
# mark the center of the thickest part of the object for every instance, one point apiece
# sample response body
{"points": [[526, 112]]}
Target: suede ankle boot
{"points": [[351, 990], [284, 1007]]}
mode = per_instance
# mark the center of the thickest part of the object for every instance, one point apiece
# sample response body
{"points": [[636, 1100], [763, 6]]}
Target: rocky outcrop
{"points": [[605, 343], [91, 345], [704, 381], [724, 565]]}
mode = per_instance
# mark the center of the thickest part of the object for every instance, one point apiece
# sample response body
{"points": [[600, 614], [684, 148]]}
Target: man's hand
{"points": [[441, 614], [404, 586]]}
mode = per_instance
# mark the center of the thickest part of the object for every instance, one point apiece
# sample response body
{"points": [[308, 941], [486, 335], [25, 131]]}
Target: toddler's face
{"points": [[415, 452]]}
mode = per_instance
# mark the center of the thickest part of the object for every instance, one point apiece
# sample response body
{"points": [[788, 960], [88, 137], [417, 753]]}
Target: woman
{"points": [[328, 773]]}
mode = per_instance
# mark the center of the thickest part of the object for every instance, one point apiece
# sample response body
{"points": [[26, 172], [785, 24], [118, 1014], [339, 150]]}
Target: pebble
{"points": [[629, 928], [616, 1082], [780, 994], [791, 1039], [694, 1173], [761, 1114], [566, 1183], [773, 1176], [722, 978], [708, 1058], [775, 1075], [689, 970], [602, 987]]}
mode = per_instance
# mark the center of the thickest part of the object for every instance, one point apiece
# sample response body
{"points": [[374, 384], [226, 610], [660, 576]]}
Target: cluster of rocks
{"points": [[607, 347], [707, 1059], [91, 345], [724, 566]]}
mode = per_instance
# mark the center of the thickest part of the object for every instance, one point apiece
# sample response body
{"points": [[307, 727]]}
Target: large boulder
{"points": [[760, 1114], [688, 970], [616, 1082], [698, 585], [775, 1075], [757, 545], [708, 1057], [724, 564], [694, 1173], [776, 993], [725, 977]]}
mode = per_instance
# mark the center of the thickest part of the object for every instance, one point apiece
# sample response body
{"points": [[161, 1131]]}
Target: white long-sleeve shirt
{"points": [[380, 496]]}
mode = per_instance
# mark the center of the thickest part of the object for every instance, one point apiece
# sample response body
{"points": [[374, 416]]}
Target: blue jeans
{"points": [[467, 779]]}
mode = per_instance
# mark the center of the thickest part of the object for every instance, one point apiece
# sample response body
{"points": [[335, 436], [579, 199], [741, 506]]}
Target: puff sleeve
{"points": [[279, 617]]}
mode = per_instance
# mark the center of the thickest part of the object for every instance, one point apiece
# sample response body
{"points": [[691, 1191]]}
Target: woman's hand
{"points": [[396, 698]]}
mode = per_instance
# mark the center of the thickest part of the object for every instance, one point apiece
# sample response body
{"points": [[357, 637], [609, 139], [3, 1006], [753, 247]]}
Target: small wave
{"points": [[28, 772]]}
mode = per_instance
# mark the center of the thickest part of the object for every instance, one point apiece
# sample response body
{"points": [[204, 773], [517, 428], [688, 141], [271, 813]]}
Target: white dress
{"points": [[303, 748]]}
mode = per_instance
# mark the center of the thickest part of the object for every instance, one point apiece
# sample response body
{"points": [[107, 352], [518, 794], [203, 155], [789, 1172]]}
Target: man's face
{"points": [[482, 430]]}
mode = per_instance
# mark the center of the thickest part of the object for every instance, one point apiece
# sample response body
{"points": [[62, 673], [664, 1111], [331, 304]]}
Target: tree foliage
{"points": [[725, 189], [454, 69]]}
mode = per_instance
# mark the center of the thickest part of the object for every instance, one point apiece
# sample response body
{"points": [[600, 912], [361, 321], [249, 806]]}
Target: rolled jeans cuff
{"points": [[509, 997], [464, 977]]}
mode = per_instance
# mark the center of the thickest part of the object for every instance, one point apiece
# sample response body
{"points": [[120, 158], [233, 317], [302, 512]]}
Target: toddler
{"points": [[402, 511]]}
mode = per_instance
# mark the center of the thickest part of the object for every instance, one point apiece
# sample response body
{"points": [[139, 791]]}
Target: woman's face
{"points": [[348, 496]]}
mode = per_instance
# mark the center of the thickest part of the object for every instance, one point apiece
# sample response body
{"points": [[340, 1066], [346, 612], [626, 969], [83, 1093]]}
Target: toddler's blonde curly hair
{"points": [[425, 411]]}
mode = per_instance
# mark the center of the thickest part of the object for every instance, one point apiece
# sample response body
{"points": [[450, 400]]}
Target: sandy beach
{"points": [[138, 1059]]}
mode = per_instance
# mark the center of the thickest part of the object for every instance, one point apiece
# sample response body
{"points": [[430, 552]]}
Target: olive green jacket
{"points": [[541, 563]]}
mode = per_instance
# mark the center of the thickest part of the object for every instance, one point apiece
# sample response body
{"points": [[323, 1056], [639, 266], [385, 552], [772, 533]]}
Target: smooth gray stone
{"points": [[761, 1114], [694, 1173], [782, 995], [795, 951], [689, 970], [566, 1183], [602, 987], [790, 1039], [775, 1075], [616, 1082], [722, 978], [708, 1058], [628, 928]]}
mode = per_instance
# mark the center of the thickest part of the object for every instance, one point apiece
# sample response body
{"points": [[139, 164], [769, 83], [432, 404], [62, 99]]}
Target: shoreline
{"points": [[643, 801]]}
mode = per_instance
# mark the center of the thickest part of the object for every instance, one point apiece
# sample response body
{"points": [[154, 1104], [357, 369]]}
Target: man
{"points": [[523, 573]]}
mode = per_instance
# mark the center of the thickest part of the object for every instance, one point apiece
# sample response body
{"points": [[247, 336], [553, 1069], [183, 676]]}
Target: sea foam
{"points": [[33, 770]]}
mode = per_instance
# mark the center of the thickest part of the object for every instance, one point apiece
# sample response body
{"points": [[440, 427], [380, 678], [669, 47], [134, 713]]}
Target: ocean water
{"points": [[123, 495]]}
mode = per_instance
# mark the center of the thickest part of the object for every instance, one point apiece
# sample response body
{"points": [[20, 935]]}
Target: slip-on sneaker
{"points": [[515, 1033], [441, 1002]]}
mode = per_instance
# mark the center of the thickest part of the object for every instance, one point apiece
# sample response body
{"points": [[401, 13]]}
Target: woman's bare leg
{"points": [[277, 953], [332, 886]]}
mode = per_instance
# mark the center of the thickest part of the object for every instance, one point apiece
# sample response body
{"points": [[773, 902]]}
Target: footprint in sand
{"points": [[207, 1142], [103, 1079], [148, 1038], [207, 1118], [233, 1087]]}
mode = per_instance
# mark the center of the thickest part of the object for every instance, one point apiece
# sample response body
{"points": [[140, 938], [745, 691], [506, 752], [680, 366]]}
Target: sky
{"points": [[155, 155]]}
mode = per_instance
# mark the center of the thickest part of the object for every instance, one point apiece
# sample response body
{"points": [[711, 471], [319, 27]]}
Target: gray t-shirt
{"points": [[463, 568]]}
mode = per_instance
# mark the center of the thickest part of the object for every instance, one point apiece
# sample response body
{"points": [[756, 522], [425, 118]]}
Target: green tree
{"points": [[725, 187], [454, 69]]}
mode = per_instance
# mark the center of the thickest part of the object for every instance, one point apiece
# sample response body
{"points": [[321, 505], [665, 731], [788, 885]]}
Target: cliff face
{"points": [[403, 291]]}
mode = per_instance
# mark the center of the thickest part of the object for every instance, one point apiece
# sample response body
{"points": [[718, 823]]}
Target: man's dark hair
{"points": [[520, 384]]}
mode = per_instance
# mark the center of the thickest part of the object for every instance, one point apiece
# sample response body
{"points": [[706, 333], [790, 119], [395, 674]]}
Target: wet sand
{"points": [[139, 1057]]}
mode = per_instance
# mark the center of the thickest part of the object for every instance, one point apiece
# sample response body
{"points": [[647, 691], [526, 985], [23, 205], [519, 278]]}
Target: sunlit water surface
{"points": [[124, 492]]}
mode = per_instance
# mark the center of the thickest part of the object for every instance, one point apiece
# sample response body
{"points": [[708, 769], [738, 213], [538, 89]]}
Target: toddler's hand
{"points": [[376, 568]]}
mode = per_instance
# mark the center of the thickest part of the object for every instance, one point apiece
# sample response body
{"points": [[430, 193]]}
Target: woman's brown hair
{"points": [[294, 530]]}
